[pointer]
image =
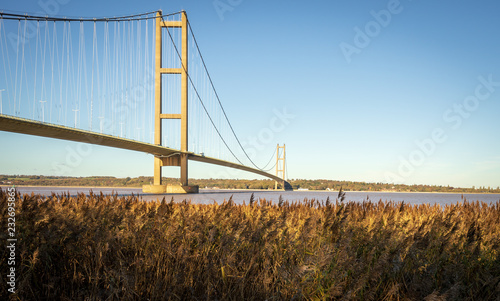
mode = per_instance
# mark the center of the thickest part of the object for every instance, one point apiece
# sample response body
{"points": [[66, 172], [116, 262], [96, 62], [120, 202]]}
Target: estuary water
{"points": [[209, 196]]}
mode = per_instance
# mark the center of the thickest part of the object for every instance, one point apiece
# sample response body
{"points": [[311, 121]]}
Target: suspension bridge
{"points": [[135, 82]]}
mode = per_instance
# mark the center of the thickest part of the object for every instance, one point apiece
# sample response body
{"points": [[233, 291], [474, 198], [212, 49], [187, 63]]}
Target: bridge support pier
{"points": [[179, 160], [184, 170], [160, 189], [157, 172]]}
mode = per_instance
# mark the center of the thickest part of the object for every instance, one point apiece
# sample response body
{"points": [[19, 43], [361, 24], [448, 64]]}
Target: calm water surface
{"points": [[208, 196]]}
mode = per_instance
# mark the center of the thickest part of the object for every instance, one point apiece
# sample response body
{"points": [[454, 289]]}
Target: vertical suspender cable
{"points": [[67, 88], [22, 66], [52, 63], [104, 97], [151, 97], [36, 65], [6, 63], [43, 65], [17, 63], [60, 115], [94, 42]]}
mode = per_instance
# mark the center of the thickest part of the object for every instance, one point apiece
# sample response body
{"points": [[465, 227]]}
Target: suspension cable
{"points": [[265, 166], [199, 97], [286, 170], [136, 17], [218, 99], [270, 168]]}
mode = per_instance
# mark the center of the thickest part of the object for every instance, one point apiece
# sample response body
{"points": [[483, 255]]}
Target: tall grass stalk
{"points": [[101, 247]]}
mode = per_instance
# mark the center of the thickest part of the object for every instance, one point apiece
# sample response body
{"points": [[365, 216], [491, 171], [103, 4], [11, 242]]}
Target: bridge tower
{"points": [[280, 165], [180, 160]]}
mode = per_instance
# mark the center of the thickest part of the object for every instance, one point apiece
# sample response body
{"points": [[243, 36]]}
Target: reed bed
{"points": [[102, 247]]}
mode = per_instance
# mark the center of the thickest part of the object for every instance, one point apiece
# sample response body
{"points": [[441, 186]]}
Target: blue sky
{"points": [[383, 91]]}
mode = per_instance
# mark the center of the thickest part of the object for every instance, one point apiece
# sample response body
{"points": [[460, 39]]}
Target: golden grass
{"points": [[110, 248]]}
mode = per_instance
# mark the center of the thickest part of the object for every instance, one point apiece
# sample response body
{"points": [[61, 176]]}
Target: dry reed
{"points": [[101, 247]]}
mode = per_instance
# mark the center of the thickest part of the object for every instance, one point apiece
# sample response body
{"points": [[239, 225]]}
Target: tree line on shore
{"points": [[137, 182]]}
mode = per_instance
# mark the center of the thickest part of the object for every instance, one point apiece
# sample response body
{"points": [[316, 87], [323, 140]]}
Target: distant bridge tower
{"points": [[280, 165], [179, 159]]}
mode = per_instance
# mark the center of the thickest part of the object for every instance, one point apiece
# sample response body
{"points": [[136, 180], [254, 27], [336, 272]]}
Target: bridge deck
{"points": [[36, 128]]}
